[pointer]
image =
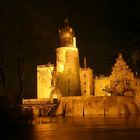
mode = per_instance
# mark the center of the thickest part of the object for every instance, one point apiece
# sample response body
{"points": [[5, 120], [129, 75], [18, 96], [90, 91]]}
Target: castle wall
{"points": [[86, 81], [44, 81], [100, 84], [107, 105]]}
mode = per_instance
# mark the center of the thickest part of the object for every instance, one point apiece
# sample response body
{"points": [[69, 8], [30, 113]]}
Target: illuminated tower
{"points": [[67, 60], [86, 80]]}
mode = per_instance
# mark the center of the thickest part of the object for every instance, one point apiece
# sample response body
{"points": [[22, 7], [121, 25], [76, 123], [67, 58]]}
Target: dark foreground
{"points": [[77, 128]]}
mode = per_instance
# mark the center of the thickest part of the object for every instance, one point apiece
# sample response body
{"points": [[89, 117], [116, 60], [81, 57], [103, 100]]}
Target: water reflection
{"points": [[79, 128]]}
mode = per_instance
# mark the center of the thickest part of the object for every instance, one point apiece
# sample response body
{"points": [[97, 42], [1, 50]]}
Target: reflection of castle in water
{"points": [[68, 79]]}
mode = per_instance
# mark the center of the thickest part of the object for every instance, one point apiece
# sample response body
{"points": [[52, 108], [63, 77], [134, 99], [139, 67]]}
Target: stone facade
{"points": [[45, 80], [67, 69], [100, 84], [86, 81], [95, 105]]}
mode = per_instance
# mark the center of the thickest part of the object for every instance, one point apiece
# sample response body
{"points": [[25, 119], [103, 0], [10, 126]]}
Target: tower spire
{"points": [[85, 62], [66, 22]]}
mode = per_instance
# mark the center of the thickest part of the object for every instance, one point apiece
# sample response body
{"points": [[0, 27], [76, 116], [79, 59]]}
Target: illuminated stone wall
{"points": [[100, 84], [86, 81], [68, 78], [91, 105], [45, 80]]}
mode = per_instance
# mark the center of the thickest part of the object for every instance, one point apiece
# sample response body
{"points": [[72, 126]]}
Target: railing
{"points": [[38, 103]]}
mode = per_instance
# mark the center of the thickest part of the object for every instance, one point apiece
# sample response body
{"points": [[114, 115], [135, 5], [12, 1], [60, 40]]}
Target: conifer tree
{"points": [[121, 78]]}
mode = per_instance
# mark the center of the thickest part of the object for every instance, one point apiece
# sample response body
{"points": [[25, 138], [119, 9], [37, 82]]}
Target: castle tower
{"points": [[67, 61], [86, 80]]}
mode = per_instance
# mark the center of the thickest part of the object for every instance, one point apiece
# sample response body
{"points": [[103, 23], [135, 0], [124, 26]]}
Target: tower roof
{"points": [[66, 35], [66, 28]]}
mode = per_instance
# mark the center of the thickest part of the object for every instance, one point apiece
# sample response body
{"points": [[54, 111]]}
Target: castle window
{"points": [[85, 83], [69, 91], [84, 91], [52, 82], [52, 72], [84, 75]]}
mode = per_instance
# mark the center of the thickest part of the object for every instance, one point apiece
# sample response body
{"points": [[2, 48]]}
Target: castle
{"points": [[67, 76], [68, 79]]}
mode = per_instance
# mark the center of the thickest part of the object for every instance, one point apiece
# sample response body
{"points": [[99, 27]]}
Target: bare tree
{"points": [[2, 72], [20, 71]]}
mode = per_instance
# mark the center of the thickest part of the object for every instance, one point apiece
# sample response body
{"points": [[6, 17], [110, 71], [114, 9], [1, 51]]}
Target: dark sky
{"points": [[103, 28]]}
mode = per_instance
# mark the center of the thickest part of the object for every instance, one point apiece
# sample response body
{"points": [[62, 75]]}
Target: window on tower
{"points": [[68, 80], [52, 82]]}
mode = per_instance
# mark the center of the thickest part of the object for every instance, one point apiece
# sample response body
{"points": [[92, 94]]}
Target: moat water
{"points": [[77, 128]]}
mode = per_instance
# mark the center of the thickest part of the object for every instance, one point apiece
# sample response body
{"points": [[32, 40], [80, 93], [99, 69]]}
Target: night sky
{"points": [[103, 29]]}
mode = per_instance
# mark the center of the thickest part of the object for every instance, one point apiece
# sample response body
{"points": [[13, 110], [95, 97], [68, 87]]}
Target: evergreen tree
{"points": [[121, 78]]}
